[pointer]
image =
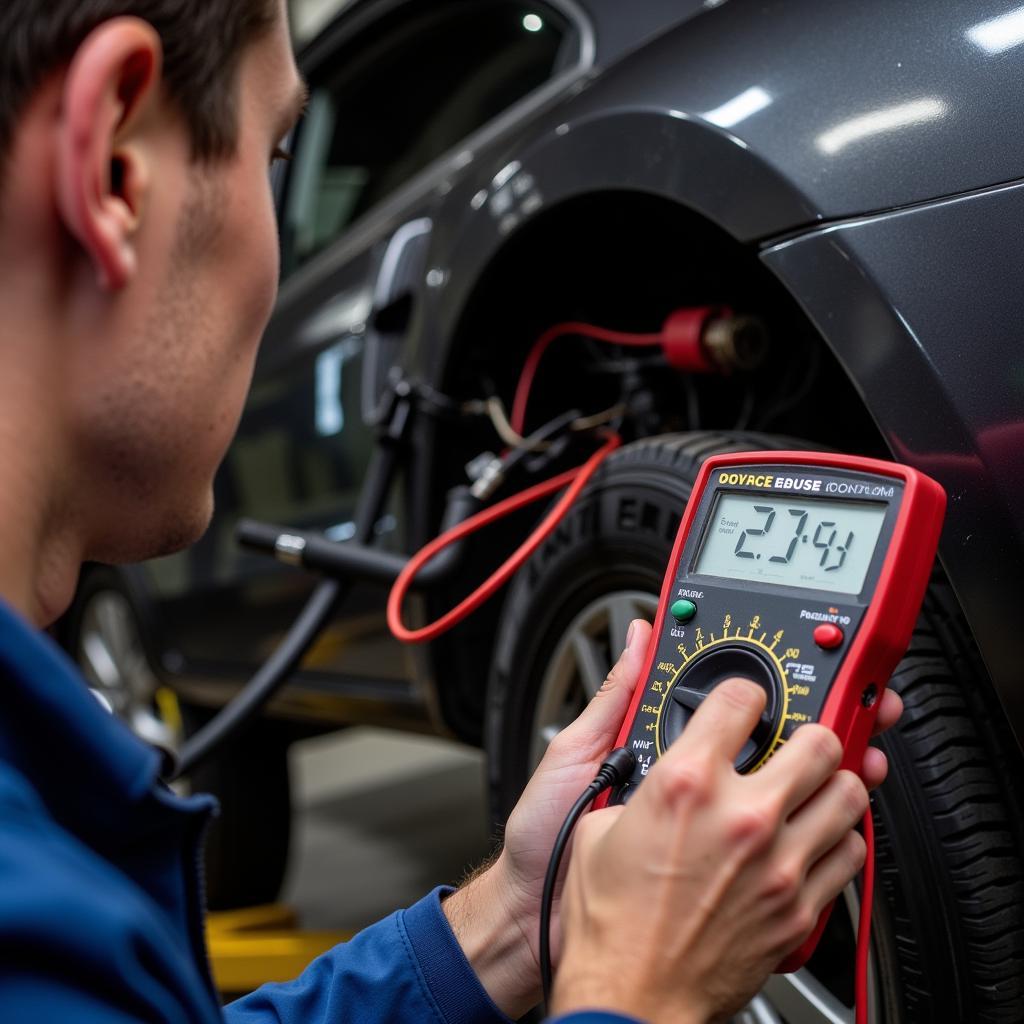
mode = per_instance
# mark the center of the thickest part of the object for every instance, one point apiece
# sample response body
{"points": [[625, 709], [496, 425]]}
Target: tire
{"points": [[949, 844], [247, 845], [248, 842], [948, 925]]}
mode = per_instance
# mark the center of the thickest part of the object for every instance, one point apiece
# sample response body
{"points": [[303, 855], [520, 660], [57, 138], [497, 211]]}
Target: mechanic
{"points": [[139, 255]]}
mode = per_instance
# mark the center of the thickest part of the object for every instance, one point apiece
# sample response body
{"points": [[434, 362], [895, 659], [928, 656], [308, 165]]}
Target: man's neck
{"points": [[40, 554]]}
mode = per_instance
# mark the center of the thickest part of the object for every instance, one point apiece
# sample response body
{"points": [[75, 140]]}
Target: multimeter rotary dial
{"points": [[702, 672]]}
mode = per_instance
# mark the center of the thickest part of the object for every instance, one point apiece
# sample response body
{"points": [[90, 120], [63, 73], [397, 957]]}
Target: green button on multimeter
{"points": [[683, 611]]}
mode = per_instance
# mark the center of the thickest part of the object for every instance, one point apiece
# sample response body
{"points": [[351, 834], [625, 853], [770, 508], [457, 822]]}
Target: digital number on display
{"points": [[821, 545]]}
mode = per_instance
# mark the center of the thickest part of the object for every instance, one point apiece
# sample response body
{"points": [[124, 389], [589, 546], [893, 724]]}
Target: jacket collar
{"points": [[85, 764]]}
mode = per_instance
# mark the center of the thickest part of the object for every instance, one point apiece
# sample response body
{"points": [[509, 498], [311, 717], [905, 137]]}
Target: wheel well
{"points": [[623, 260]]}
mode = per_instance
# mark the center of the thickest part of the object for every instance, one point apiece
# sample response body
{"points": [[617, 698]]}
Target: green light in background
{"points": [[533, 23]]}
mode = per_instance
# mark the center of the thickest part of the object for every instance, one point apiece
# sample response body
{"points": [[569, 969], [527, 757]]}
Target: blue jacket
{"points": [[101, 901]]}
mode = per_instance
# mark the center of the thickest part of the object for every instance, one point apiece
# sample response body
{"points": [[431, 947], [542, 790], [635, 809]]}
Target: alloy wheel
{"points": [[110, 653]]}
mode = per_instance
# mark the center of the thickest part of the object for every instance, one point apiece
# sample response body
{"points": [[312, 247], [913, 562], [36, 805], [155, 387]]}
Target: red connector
{"points": [[700, 339], [683, 338]]}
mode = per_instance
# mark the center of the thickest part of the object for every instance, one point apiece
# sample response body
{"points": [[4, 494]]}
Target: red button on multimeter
{"points": [[806, 572], [828, 636]]}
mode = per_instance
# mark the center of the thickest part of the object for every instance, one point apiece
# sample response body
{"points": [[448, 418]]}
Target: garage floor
{"points": [[381, 818]]}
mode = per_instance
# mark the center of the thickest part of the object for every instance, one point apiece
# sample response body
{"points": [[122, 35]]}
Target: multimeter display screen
{"points": [[818, 544]]}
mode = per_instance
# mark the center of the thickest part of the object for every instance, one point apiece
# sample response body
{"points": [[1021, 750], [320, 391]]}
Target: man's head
{"points": [[202, 43], [139, 263]]}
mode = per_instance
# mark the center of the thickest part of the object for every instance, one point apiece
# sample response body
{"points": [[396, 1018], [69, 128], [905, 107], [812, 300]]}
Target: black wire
{"points": [[548, 895], [286, 658], [278, 667], [616, 769]]}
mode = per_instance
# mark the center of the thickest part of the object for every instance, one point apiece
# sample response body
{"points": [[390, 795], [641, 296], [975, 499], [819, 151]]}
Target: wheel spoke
{"points": [[150, 728], [111, 624], [622, 611], [801, 999], [757, 1011], [579, 663], [590, 662], [138, 677], [99, 663]]}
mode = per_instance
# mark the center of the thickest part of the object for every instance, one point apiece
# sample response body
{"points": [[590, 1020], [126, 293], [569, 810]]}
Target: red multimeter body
{"points": [[803, 571]]}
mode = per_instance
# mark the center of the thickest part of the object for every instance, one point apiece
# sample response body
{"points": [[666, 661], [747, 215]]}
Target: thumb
{"points": [[592, 734]]}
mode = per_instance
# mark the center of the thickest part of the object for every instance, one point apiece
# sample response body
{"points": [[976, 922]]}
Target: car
{"points": [[842, 183]]}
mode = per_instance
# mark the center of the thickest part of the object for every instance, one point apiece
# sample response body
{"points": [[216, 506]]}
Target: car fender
{"points": [[765, 118], [922, 307], [654, 151], [778, 120]]}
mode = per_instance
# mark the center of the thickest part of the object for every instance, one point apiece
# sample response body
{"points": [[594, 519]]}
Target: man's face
{"points": [[160, 403]]}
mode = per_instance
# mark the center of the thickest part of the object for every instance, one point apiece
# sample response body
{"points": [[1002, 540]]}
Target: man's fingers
{"points": [[827, 879], [593, 733], [722, 723], [825, 819], [889, 710], [802, 766], [874, 768]]}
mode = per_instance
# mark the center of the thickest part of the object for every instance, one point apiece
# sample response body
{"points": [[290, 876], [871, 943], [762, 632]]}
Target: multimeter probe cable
{"points": [[617, 768]]}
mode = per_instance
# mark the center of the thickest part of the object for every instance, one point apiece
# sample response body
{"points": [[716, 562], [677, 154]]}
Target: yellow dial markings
{"points": [[785, 716]]}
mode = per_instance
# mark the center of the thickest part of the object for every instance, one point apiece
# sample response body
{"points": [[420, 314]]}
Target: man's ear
{"points": [[102, 169]]}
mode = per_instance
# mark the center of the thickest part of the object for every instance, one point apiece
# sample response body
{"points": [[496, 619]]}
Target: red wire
{"points": [[540, 346], [574, 479], [864, 924]]}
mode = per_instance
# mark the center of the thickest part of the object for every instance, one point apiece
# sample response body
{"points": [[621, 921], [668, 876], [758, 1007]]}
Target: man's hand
{"points": [[505, 899], [679, 905], [496, 916]]}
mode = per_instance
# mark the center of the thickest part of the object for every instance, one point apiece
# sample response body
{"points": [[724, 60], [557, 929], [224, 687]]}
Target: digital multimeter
{"points": [[802, 571]]}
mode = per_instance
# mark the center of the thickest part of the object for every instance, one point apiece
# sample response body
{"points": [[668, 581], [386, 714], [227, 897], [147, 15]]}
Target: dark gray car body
{"points": [[870, 154]]}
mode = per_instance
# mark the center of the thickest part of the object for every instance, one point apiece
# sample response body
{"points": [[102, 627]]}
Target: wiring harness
{"points": [[572, 482]]}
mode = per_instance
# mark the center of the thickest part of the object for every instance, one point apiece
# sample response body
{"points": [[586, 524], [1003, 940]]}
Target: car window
{"points": [[400, 95]]}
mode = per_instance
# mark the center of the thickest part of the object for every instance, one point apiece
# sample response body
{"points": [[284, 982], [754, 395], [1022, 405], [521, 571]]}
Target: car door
{"points": [[398, 92]]}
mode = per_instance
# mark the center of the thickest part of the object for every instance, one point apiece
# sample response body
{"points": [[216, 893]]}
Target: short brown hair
{"points": [[203, 42]]}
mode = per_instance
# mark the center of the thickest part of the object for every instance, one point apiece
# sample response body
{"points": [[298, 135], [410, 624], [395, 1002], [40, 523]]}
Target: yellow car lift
{"points": [[258, 944]]}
